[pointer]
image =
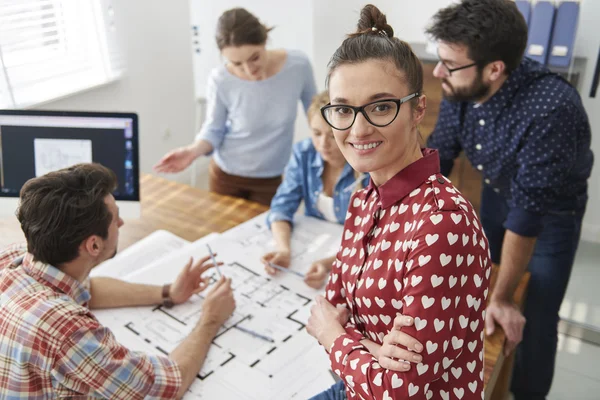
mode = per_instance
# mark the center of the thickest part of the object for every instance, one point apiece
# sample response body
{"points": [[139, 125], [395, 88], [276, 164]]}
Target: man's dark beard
{"points": [[476, 91]]}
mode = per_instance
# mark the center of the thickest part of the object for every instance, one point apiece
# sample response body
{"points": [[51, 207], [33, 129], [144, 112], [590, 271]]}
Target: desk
{"points": [[181, 209], [193, 213]]}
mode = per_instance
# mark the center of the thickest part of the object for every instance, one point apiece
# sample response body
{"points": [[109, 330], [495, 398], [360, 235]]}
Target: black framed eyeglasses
{"points": [[379, 113], [451, 70]]}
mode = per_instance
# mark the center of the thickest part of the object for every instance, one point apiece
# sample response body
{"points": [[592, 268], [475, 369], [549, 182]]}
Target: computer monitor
{"points": [[33, 143]]}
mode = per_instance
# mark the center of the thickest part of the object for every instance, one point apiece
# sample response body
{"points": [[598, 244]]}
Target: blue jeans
{"points": [[550, 269], [335, 392]]}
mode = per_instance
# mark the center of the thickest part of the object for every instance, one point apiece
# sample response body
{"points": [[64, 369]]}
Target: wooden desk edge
{"points": [[503, 367]]}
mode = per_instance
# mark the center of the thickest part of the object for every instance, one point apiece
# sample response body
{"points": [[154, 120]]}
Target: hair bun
{"points": [[373, 20]]}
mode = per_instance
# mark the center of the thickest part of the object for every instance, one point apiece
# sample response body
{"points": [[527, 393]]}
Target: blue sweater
{"points": [[250, 124]]}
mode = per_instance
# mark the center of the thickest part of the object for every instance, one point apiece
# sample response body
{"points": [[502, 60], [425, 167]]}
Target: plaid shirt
{"points": [[52, 346]]}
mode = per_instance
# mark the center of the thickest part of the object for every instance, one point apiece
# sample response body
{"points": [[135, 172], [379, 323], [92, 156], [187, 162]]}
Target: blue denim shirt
{"points": [[303, 181]]}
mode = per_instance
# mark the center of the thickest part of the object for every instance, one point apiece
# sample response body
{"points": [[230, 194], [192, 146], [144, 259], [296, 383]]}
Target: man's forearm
{"points": [[282, 233], [112, 293], [191, 352], [516, 254]]}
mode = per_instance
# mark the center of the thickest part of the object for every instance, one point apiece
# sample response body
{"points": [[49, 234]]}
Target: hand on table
{"points": [[317, 273], [280, 257]]}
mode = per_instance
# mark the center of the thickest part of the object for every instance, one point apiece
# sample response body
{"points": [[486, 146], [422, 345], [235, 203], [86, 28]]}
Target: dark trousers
{"points": [[260, 190], [550, 269]]}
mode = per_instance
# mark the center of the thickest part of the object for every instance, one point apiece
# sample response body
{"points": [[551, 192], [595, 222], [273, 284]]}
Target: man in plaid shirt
{"points": [[51, 345]]}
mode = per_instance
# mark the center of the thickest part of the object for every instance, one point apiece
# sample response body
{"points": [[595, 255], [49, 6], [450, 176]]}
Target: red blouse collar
{"points": [[408, 179]]}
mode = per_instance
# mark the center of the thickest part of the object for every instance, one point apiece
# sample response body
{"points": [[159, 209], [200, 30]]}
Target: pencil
{"points": [[214, 260], [255, 334], [282, 269]]}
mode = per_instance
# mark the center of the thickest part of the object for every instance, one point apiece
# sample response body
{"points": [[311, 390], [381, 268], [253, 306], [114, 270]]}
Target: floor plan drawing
{"points": [[263, 351], [264, 310]]}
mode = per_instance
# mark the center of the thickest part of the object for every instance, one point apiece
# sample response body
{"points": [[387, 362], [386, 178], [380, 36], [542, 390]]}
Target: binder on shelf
{"points": [[563, 34], [540, 30], [524, 7]]}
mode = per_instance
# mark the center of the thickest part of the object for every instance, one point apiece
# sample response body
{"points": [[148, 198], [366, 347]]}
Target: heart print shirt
{"points": [[413, 246]]}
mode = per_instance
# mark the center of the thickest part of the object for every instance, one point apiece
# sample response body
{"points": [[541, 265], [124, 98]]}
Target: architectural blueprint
{"points": [[239, 365], [312, 239]]}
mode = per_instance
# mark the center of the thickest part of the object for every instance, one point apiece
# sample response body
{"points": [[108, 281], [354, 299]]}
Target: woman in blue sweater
{"points": [[318, 174], [252, 102]]}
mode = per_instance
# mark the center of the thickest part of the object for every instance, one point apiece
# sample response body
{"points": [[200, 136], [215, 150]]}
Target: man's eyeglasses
{"points": [[451, 70], [379, 113]]}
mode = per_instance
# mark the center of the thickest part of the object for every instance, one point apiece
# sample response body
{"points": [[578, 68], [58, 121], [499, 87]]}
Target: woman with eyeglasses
{"points": [[251, 110], [412, 246], [319, 175]]}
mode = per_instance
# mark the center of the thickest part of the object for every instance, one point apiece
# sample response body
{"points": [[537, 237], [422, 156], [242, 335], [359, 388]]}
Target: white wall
{"points": [[334, 19], [158, 83], [293, 29], [292, 23]]}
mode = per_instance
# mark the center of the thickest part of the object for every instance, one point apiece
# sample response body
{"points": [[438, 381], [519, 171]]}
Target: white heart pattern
{"points": [[431, 239], [420, 323], [431, 347], [427, 301], [452, 238], [396, 381], [436, 219], [412, 389], [445, 259], [436, 280], [438, 324], [423, 260]]}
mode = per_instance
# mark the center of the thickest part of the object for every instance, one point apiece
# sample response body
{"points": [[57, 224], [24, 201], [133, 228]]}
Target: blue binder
{"points": [[563, 34], [525, 7], [540, 30]]}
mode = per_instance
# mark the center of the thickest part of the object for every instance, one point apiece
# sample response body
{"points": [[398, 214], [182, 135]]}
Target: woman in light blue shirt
{"points": [[318, 174], [252, 103]]}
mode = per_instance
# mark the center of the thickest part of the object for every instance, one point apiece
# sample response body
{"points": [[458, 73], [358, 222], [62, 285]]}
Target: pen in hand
{"points": [[282, 269], [214, 260]]}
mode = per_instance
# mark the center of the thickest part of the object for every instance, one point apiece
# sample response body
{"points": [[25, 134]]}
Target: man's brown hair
{"points": [[61, 209]]}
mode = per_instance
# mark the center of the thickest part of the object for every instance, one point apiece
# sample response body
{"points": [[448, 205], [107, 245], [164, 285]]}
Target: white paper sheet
{"points": [[241, 365], [139, 255], [312, 239]]}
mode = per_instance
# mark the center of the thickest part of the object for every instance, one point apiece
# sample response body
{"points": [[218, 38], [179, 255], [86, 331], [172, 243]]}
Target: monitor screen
{"points": [[33, 143]]}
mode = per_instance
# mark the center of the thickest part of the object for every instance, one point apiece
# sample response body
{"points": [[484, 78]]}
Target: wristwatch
{"points": [[166, 296]]}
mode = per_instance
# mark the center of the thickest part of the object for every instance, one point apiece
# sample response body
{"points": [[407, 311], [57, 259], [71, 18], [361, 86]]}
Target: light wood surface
{"points": [[185, 211], [193, 213]]}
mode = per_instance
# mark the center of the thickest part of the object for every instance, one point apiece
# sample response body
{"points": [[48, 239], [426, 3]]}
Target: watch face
{"points": [[168, 303]]}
